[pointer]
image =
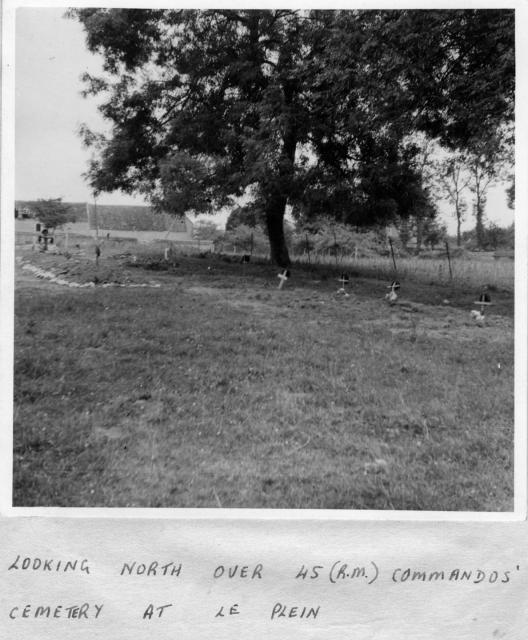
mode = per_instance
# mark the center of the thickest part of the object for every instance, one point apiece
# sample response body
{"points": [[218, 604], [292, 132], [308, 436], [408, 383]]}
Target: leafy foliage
{"points": [[53, 213], [310, 109], [326, 237], [458, 67], [496, 237], [485, 161], [434, 232], [250, 215], [453, 181], [493, 238], [205, 230], [247, 239], [510, 192]]}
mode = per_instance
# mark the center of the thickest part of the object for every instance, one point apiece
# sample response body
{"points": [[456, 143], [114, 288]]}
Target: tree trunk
{"points": [[276, 195], [480, 202], [459, 218], [479, 214], [275, 225]]}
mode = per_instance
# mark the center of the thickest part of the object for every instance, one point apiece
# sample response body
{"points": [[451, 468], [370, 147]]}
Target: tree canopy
{"points": [[307, 108]]}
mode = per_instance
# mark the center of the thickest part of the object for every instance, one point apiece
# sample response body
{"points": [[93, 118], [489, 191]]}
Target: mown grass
{"points": [[218, 390]]}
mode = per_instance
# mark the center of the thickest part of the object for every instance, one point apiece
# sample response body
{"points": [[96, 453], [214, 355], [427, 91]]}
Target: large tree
{"points": [[289, 107]]}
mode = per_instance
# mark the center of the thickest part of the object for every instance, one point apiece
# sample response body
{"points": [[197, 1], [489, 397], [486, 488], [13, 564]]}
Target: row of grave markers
{"points": [[392, 296], [395, 286], [344, 278]]}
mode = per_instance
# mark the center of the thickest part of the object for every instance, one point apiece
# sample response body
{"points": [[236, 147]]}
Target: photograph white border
{"points": [[7, 294]]}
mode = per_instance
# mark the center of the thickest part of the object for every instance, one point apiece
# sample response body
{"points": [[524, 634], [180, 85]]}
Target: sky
{"points": [[49, 158]]}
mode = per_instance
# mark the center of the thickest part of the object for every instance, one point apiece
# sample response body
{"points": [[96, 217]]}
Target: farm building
{"points": [[117, 221], [129, 221]]}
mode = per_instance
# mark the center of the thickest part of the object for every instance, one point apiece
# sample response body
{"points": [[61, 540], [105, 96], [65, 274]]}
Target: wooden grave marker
{"points": [[392, 296], [344, 279], [283, 276], [484, 300]]}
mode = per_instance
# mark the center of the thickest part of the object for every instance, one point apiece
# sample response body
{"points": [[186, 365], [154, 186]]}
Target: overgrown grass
{"points": [[219, 390], [475, 272]]}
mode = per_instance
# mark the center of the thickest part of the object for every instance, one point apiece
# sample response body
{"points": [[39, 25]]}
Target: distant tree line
{"points": [[326, 237]]}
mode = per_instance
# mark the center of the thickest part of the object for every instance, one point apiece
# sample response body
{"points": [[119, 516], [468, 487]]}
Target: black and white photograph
{"points": [[264, 259]]}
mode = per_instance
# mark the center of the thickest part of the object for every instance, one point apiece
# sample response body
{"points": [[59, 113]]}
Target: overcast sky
{"points": [[50, 57]]}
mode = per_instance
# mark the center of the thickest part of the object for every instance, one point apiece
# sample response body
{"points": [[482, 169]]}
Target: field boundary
{"points": [[53, 277]]}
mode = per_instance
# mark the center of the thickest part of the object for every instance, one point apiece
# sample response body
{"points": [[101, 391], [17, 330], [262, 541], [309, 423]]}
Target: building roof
{"points": [[78, 208], [135, 218], [119, 217]]}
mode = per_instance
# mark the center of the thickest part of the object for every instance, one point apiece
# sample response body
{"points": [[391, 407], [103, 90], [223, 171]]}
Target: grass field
{"points": [[218, 390]]}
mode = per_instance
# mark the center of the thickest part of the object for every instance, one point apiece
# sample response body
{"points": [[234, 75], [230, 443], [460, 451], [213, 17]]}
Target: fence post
{"points": [[449, 261], [95, 216]]}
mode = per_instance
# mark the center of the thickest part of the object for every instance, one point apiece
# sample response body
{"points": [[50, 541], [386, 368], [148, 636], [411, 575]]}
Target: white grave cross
{"points": [[343, 280], [484, 301], [283, 276], [392, 296]]}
